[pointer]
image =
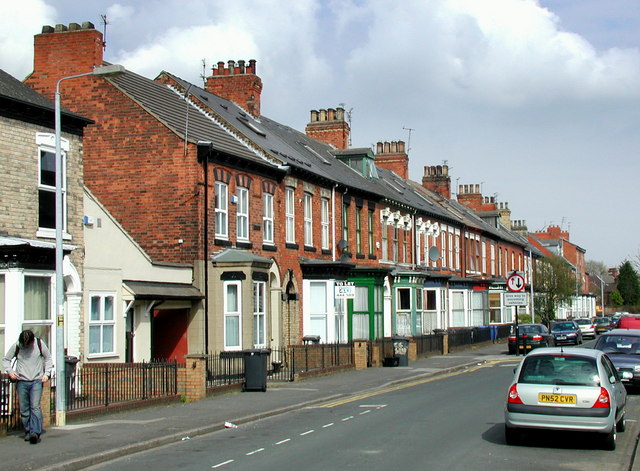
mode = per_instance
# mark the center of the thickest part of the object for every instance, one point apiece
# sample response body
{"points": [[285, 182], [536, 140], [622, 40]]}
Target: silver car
{"points": [[575, 389]]}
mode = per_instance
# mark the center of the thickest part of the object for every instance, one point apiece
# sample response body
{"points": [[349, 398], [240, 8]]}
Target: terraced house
{"points": [[211, 227], [28, 215]]}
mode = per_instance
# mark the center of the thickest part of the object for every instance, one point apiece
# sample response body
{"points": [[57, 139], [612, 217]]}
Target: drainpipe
{"points": [[333, 223], [205, 166]]}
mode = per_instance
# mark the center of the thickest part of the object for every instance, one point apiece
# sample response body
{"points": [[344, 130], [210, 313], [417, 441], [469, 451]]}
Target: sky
{"points": [[537, 101]]}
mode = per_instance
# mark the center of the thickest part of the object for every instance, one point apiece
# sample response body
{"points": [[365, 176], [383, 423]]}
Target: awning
{"points": [[158, 290], [6, 241]]}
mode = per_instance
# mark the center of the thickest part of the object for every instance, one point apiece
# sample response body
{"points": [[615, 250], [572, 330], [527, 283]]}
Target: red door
{"points": [[170, 334]]}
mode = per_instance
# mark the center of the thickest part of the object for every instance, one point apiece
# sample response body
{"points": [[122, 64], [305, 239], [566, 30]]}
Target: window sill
{"points": [[100, 356], [51, 234]]}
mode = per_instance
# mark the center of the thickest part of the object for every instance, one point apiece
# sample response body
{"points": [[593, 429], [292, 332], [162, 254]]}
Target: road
{"points": [[444, 423]]}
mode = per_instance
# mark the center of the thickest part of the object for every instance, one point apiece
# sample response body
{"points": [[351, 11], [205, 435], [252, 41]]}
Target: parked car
{"points": [[530, 336], [587, 327], [603, 324], [622, 346], [574, 389], [566, 332]]}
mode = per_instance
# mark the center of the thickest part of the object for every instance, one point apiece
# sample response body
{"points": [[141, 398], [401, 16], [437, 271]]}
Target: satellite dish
{"points": [[434, 253]]}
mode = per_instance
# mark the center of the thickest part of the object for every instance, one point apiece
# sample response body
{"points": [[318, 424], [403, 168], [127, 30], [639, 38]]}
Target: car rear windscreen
{"points": [[556, 369], [619, 344]]}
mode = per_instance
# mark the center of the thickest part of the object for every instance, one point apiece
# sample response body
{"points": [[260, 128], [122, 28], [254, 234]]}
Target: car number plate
{"points": [[557, 398], [562, 337]]}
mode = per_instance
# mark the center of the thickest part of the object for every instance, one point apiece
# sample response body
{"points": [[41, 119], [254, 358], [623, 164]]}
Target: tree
{"points": [[596, 268], [555, 285], [628, 284], [616, 298]]}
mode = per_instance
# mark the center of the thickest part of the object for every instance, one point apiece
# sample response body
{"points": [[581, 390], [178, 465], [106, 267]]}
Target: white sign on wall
{"points": [[345, 289]]}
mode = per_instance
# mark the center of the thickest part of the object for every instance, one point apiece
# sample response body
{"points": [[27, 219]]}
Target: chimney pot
{"points": [[379, 148], [47, 29], [60, 28], [74, 27]]}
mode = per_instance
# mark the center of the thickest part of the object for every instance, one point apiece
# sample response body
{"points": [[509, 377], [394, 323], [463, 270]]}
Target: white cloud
{"points": [[16, 35]]}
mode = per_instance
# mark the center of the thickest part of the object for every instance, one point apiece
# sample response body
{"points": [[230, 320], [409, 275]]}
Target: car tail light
{"points": [[512, 337], [537, 337], [513, 397], [603, 399]]}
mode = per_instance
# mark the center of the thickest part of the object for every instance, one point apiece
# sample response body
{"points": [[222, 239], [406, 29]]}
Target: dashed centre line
{"points": [[255, 451], [283, 441], [327, 425], [221, 464], [306, 433]]}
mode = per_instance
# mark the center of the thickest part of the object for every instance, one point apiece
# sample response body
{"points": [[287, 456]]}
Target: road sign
{"points": [[515, 283], [515, 299]]}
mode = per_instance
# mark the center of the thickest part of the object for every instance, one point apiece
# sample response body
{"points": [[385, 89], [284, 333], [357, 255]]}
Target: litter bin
{"points": [[70, 378], [255, 369], [401, 350]]}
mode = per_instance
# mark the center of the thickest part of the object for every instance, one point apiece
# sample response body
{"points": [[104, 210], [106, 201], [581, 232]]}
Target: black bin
{"points": [[255, 369], [401, 350], [70, 378]]}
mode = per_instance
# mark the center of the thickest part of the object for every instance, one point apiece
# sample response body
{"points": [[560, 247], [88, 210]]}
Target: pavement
{"points": [[88, 442]]}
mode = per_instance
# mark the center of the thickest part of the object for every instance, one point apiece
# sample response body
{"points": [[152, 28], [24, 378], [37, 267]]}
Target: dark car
{"points": [[603, 324], [566, 332], [530, 336], [622, 346]]}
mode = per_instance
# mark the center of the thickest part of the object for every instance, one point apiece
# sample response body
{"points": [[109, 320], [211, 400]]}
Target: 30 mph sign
{"points": [[515, 283]]}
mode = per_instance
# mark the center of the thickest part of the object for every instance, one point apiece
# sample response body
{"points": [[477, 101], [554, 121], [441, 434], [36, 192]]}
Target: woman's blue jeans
{"points": [[29, 394]]}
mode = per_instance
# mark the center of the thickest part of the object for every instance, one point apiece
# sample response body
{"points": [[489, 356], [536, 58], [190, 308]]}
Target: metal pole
{"points": [[61, 392]]}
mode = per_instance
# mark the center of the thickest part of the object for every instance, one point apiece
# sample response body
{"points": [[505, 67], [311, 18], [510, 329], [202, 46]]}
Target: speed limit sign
{"points": [[515, 283]]}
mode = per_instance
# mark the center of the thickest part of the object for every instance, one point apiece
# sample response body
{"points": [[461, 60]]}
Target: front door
{"points": [[170, 334]]}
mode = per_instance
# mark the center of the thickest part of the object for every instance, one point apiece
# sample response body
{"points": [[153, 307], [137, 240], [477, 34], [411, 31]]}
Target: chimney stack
{"points": [[329, 126], [237, 82], [436, 178], [392, 156], [62, 51]]}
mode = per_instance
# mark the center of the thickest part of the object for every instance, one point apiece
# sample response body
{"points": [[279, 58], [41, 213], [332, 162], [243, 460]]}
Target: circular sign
{"points": [[515, 283]]}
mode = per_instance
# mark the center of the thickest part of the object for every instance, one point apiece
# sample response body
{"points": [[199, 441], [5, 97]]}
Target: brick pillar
{"points": [[376, 354], [45, 404], [413, 350], [445, 344], [360, 352], [196, 374]]}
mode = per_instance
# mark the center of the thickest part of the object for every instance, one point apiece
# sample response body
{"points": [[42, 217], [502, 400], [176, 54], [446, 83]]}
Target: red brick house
{"points": [[269, 220]]}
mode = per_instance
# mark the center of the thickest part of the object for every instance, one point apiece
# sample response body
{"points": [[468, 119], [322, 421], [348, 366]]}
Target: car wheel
{"points": [[621, 426], [511, 435], [610, 438]]}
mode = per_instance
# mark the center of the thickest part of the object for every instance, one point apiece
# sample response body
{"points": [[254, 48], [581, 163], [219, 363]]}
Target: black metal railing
{"points": [[463, 336], [103, 384], [307, 358], [9, 407], [428, 344], [225, 369]]}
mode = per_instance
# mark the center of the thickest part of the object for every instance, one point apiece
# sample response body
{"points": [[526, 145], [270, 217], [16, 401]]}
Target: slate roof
{"points": [[14, 91], [236, 132], [171, 109]]}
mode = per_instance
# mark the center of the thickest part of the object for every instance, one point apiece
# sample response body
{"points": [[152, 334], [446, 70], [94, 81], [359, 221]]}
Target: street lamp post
{"points": [[601, 291], [61, 393]]}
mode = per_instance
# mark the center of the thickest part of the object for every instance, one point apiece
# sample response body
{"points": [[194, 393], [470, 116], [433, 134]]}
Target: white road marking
{"points": [[327, 425], [365, 411], [255, 451], [306, 433], [373, 406], [283, 441], [221, 464], [347, 418]]}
